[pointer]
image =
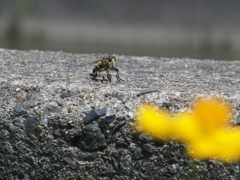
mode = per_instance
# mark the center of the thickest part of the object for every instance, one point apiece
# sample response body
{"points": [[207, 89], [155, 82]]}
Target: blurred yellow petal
{"points": [[154, 121], [211, 113], [204, 129], [221, 145], [187, 128]]}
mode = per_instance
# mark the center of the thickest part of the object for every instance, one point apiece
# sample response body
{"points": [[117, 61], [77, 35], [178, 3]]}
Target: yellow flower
{"points": [[206, 129]]}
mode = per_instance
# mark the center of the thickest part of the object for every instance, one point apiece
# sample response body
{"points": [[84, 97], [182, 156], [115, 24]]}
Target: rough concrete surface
{"points": [[57, 123]]}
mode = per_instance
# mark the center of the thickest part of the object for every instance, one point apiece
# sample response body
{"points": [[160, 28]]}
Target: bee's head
{"points": [[112, 59]]}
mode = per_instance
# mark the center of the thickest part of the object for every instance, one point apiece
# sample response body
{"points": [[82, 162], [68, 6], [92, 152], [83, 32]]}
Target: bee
{"points": [[107, 63]]}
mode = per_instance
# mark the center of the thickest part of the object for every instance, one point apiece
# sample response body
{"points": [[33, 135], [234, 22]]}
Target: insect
{"points": [[107, 63]]}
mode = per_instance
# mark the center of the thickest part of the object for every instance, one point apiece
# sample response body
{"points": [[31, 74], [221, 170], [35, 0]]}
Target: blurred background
{"points": [[202, 29]]}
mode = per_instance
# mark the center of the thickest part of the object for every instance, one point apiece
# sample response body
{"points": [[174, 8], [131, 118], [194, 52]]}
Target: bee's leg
{"points": [[100, 74], [104, 79], [108, 75], [93, 76], [117, 75], [94, 73]]}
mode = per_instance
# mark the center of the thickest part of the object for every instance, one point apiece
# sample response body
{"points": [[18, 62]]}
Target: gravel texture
{"points": [[57, 123]]}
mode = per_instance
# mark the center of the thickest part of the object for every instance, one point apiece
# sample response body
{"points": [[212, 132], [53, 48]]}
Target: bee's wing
{"points": [[95, 62]]}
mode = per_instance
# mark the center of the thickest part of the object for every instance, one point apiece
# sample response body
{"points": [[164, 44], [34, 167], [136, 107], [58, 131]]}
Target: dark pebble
{"points": [[94, 114], [137, 72], [106, 171], [104, 123], [51, 108], [148, 148], [12, 127], [86, 156], [57, 133], [71, 163], [18, 110], [3, 76], [30, 125], [146, 92], [115, 163], [92, 137], [144, 138], [48, 152], [171, 170], [1, 103], [118, 127], [107, 95], [138, 153], [104, 82], [48, 108], [64, 95], [173, 158], [31, 103], [124, 100], [143, 87], [122, 143]]}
